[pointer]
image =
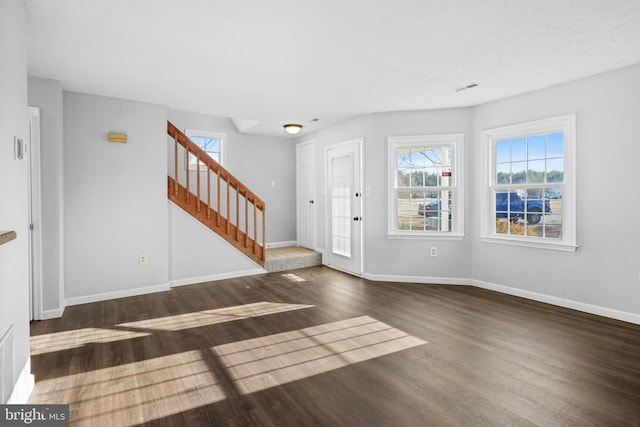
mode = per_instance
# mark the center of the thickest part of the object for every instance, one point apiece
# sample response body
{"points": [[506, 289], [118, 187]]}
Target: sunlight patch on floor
{"points": [[65, 340], [260, 363], [211, 317], [136, 392], [293, 277]]}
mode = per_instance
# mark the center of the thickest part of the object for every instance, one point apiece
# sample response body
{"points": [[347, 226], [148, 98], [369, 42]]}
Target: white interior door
{"points": [[306, 215], [35, 241], [344, 194]]}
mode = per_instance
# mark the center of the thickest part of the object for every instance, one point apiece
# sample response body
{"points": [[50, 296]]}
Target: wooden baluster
{"points": [[237, 209], [175, 155], [264, 232], [187, 167], [255, 227], [218, 199], [228, 207], [246, 219], [198, 180], [208, 192]]}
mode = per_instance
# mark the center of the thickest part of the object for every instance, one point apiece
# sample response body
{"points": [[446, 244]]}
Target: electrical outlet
{"points": [[433, 251], [143, 259]]}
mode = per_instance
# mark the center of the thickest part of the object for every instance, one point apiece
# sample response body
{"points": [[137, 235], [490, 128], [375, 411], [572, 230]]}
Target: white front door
{"points": [[306, 214], [344, 243]]}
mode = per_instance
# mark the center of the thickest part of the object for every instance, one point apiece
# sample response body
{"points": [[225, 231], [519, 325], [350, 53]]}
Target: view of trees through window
{"points": [[423, 188]]}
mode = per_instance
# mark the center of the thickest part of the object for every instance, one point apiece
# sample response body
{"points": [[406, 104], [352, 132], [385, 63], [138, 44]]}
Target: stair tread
{"points": [[291, 258]]}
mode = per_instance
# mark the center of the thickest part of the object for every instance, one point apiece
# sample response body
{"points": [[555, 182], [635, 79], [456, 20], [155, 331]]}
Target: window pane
{"points": [[417, 178], [519, 172], [402, 158], [536, 172], [555, 145], [503, 151], [553, 193], [552, 222], [555, 170], [535, 147], [502, 225], [503, 173], [419, 158], [341, 189], [518, 149], [432, 177], [403, 177], [433, 156]]}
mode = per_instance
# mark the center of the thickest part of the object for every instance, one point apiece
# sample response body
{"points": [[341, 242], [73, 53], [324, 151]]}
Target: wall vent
{"points": [[6, 365]]}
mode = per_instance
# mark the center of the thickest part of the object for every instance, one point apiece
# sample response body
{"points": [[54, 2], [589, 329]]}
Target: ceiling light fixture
{"points": [[292, 128]]}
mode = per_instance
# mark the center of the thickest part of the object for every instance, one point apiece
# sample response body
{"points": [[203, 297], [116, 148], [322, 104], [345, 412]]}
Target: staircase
{"points": [[227, 207]]}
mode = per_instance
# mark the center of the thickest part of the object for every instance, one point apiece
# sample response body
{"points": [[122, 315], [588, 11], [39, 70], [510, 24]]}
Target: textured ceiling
{"points": [[280, 61]]}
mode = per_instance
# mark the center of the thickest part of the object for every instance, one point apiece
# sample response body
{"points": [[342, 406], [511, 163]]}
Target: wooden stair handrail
{"points": [[214, 166], [231, 232]]}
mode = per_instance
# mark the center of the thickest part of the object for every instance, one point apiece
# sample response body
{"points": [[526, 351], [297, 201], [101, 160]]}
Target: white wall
{"points": [[115, 199], [604, 271], [196, 254], [47, 95], [257, 161], [14, 176]]}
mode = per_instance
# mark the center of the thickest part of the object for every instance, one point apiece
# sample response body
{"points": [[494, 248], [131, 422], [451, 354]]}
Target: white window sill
{"points": [[530, 243], [425, 236]]}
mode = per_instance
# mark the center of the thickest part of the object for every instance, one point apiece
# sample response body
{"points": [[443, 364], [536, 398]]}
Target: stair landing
{"points": [[291, 258]]}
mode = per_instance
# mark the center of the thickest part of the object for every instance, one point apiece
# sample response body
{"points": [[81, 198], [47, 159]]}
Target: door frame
{"points": [[35, 216], [327, 202], [314, 237]]}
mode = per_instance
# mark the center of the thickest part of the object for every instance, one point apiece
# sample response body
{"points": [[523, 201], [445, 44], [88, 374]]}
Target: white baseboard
{"points": [[116, 294], [23, 387], [561, 302], [52, 314], [214, 277], [535, 296], [417, 279], [282, 244]]}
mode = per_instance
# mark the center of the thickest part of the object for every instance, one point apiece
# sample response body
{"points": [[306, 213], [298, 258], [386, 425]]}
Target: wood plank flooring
{"points": [[316, 347]]}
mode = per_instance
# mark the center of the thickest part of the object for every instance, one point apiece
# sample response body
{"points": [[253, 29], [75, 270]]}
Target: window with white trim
{"points": [[529, 195], [211, 142], [425, 180]]}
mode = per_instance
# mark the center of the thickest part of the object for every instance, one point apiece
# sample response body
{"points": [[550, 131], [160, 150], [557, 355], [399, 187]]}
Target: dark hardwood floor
{"points": [[316, 347]]}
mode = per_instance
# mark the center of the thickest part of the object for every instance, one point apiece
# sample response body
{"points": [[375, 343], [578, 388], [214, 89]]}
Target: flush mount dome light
{"points": [[292, 128]]}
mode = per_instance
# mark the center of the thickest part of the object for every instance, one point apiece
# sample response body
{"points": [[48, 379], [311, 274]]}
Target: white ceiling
{"points": [[280, 61]]}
